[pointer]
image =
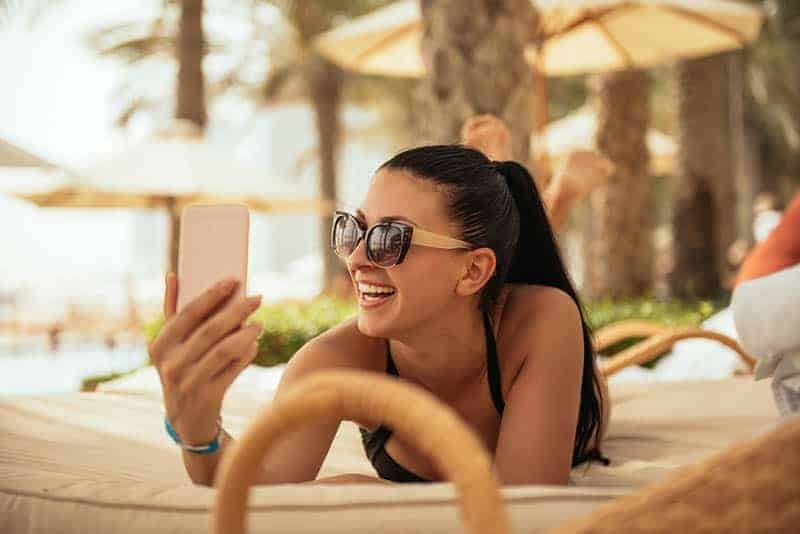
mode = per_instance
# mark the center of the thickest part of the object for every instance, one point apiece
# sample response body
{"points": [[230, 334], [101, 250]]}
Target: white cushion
{"points": [[101, 462]]}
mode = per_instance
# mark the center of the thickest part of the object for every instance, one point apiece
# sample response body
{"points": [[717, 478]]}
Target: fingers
{"points": [[233, 347], [225, 378], [220, 325], [170, 295], [182, 324], [209, 334]]}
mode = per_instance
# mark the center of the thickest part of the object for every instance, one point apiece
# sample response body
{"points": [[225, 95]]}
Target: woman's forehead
{"points": [[395, 192]]}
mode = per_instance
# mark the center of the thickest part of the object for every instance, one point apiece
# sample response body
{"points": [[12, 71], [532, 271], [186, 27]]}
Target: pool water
{"points": [[30, 367]]}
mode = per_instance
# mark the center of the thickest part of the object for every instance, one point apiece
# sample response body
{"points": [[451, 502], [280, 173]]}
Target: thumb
{"points": [[170, 295]]}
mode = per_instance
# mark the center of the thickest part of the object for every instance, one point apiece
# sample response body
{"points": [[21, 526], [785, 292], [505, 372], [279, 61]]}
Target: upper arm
{"points": [[298, 456], [537, 432]]}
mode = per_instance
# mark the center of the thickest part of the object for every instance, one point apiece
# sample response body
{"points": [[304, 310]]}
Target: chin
{"points": [[381, 322], [371, 327]]}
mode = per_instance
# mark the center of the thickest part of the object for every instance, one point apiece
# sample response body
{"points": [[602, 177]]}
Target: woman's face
{"points": [[423, 284]]}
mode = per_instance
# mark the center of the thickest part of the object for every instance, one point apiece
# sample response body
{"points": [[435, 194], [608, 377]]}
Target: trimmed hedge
{"points": [[288, 325]]}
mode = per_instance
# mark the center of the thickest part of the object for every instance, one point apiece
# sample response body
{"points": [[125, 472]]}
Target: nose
{"points": [[358, 258]]}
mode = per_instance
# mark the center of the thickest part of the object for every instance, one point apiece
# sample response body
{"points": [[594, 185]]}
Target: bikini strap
{"points": [[390, 367], [493, 365]]}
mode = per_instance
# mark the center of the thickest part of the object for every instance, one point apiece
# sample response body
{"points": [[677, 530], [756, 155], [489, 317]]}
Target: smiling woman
{"points": [[462, 292]]}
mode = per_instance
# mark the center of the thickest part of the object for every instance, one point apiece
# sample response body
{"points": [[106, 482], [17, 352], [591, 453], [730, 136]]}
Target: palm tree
{"points": [[618, 240], [323, 82], [474, 57], [704, 212]]}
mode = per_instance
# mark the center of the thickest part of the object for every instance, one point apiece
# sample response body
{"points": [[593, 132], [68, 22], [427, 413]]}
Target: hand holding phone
{"points": [[203, 346]]}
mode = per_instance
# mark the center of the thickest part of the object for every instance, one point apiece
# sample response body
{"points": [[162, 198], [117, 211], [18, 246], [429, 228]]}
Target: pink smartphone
{"points": [[212, 246]]}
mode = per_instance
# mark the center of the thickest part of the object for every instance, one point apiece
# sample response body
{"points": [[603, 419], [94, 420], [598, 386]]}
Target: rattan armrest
{"points": [[657, 344]]}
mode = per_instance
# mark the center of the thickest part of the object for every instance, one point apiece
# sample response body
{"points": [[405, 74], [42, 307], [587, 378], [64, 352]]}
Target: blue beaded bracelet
{"points": [[208, 448]]}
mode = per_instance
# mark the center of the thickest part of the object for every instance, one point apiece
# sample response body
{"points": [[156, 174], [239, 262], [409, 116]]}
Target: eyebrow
{"points": [[360, 215]]}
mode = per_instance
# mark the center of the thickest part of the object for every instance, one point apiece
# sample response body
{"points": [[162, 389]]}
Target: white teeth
{"points": [[368, 288]]}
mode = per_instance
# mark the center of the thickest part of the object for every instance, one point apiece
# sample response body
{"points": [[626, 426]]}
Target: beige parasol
{"points": [[579, 36]]}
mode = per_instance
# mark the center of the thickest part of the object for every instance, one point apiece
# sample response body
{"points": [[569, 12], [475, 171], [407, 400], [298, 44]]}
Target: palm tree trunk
{"points": [[745, 146], [325, 89], [474, 59], [190, 97], [323, 82], [704, 222], [619, 243]]}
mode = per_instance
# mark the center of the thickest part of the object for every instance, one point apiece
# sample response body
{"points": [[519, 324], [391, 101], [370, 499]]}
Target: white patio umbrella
{"points": [[576, 131], [14, 156], [171, 171]]}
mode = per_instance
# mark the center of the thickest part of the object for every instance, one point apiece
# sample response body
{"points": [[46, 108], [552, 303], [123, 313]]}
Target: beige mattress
{"points": [[101, 462]]}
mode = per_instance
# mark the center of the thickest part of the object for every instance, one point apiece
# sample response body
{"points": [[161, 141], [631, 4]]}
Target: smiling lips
{"points": [[371, 294]]}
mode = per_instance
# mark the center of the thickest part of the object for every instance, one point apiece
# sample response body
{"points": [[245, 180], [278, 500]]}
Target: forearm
{"points": [[557, 205]]}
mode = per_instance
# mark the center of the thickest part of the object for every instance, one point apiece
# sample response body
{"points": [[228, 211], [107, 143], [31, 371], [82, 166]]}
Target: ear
{"points": [[479, 267]]}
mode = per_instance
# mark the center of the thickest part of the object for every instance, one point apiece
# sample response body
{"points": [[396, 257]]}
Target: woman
{"points": [[461, 291]]}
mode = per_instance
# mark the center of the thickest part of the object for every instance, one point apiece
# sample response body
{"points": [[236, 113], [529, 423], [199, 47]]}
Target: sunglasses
{"points": [[387, 242]]}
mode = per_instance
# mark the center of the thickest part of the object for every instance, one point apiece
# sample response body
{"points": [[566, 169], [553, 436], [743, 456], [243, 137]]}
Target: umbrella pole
{"points": [[174, 234]]}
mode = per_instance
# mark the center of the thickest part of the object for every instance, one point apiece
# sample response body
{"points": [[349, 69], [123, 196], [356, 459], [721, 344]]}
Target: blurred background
{"points": [[114, 115]]}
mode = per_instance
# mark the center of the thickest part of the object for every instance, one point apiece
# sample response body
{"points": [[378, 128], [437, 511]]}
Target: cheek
{"points": [[425, 278]]}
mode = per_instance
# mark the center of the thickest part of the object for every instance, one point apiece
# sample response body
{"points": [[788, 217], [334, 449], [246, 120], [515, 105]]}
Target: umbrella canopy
{"points": [[172, 172], [579, 36], [14, 156], [576, 131]]}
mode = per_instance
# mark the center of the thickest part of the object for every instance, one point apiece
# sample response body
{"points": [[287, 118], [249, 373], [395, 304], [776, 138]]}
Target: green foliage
{"points": [[289, 325], [671, 312]]}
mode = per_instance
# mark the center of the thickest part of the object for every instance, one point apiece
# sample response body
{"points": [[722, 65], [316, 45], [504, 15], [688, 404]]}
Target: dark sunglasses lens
{"points": [[385, 245], [345, 235]]}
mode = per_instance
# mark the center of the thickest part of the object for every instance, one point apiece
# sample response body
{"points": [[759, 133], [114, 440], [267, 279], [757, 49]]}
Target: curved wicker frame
{"points": [[625, 329], [415, 416], [752, 486], [661, 340]]}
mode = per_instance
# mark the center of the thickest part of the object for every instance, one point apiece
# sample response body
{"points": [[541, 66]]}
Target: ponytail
{"points": [[537, 260]]}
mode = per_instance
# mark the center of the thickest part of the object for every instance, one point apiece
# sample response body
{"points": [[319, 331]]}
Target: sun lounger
{"points": [[100, 462]]}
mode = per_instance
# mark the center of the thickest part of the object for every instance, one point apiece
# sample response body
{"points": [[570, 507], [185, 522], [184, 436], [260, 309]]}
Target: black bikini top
{"points": [[375, 441]]}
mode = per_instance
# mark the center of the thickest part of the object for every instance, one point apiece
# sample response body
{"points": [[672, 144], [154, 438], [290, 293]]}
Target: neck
{"points": [[443, 355]]}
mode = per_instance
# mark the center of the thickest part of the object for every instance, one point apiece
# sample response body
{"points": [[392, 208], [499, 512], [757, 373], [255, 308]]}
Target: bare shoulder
{"points": [[531, 315], [342, 346], [531, 306]]}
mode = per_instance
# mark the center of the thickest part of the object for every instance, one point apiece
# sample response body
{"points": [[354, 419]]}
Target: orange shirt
{"points": [[779, 250]]}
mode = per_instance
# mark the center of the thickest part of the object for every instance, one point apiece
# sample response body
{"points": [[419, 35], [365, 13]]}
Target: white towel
{"points": [[766, 311]]}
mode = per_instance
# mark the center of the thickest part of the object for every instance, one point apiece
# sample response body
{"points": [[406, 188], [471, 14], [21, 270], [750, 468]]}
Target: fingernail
{"points": [[254, 302], [257, 326]]}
